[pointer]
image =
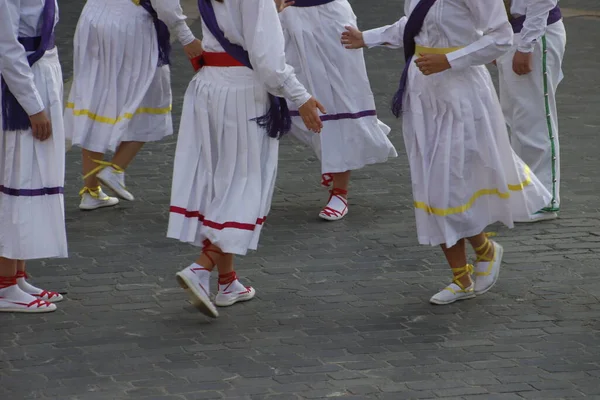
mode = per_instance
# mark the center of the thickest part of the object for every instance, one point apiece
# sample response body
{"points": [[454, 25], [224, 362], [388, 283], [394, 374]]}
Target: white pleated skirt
{"points": [[32, 216], [225, 164], [352, 136], [118, 93], [465, 175]]}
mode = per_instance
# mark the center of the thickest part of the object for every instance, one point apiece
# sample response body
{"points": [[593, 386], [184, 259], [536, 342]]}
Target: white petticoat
{"points": [[32, 217], [352, 136], [465, 175], [118, 92], [225, 165]]}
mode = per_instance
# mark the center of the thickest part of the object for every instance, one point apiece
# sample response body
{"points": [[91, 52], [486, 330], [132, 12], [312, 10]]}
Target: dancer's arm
{"points": [[490, 18], [14, 66], [170, 12], [535, 24], [389, 36], [264, 41]]}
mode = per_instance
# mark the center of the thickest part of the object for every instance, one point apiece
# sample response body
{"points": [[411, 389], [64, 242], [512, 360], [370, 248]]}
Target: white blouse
{"points": [[254, 25], [20, 18], [170, 12], [480, 27], [536, 22]]}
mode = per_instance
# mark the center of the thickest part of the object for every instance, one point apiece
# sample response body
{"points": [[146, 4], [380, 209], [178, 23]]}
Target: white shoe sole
{"points": [[231, 301], [331, 218], [443, 303], [28, 310], [104, 204], [499, 255], [120, 192], [200, 300]]}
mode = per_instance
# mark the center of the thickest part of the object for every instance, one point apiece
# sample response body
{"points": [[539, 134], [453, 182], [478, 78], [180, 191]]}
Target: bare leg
{"points": [[341, 180], [482, 246], [88, 162], [126, 153], [457, 258], [8, 267]]}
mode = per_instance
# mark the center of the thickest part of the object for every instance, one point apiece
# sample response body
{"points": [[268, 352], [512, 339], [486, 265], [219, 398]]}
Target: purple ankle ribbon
{"points": [[554, 16], [14, 117], [311, 3], [277, 121], [162, 33], [411, 30]]}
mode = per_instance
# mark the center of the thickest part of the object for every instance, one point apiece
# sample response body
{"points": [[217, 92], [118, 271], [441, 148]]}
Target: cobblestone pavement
{"points": [[342, 309]]}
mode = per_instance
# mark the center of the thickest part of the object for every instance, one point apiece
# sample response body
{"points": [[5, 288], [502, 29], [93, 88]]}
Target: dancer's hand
{"points": [[193, 49], [352, 38], [41, 128], [283, 4], [310, 114], [432, 63], [522, 63]]}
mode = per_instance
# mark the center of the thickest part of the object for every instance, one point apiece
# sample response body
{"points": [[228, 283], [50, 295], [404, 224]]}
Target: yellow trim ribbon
{"points": [[443, 212], [114, 121]]}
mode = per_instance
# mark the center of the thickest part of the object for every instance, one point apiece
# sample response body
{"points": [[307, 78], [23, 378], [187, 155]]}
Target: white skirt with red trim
{"points": [[352, 135], [32, 176], [118, 92], [225, 164]]}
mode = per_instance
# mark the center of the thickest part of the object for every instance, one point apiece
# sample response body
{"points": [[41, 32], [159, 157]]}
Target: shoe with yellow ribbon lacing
{"points": [[487, 266], [113, 177], [456, 290], [92, 199]]}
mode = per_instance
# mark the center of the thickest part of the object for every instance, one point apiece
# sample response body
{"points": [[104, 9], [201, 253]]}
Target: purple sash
{"points": [[411, 30], [554, 16], [162, 33], [311, 3], [14, 117], [277, 121]]}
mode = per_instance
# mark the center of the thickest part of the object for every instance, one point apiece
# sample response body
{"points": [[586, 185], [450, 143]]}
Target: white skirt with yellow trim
{"points": [[118, 93], [465, 175]]}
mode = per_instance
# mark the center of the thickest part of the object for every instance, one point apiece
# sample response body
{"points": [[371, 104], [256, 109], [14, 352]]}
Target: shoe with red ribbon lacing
{"points": [[232, 291], [195, 279], [13, 299], [337, 207], [47, 295]]}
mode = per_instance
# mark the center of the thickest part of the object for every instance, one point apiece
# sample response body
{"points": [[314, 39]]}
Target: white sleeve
{"points": [[535, 24], [390, 35], [491, 19], [14, 66], [170, 12], [264, 41]]}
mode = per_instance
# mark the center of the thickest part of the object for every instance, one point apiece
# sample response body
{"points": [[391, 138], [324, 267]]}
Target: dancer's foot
{"points": [[231, 291], [92, 199], [113, 177], [337, 207], [487, 266], [49, 296], [13, 299], [461, 288], [195, 279]]}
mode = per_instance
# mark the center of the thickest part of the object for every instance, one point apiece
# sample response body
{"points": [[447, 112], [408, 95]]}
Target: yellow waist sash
{"points": [[435, 50]]}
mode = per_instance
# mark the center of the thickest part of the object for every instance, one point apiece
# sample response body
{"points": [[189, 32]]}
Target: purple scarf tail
{"points": [[162, 33], [411, 30], [311, 3], [14, 117], [554, 16], [277, 121]]}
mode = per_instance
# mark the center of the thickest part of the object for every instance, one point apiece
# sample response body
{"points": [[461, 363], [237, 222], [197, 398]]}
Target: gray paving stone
{"points": [[342, 308]]}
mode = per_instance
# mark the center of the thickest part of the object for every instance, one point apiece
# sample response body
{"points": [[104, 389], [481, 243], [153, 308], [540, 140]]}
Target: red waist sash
{"points": [[208, 59]]}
